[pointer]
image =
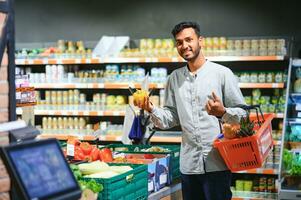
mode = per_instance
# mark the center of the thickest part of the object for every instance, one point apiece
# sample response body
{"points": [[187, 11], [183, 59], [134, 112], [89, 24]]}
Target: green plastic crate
{"points": [[174, 153], [131, 185]]}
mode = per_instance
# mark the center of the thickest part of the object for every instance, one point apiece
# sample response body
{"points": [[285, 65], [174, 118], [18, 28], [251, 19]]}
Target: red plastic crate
{"points": [[248, 152]]}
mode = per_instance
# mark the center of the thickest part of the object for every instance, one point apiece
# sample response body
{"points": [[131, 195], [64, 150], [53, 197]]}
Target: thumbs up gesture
{"points": [[215, 106]]}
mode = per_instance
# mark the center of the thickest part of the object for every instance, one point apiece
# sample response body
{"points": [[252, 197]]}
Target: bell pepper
{"points": [[105, 155], [86, 148]]}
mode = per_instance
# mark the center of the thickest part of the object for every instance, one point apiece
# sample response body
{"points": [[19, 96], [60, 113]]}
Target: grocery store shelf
{"points": [[93, 85], [26, 104], [110, 138], [65, 137], [259, 171], [97, 60], [261, 85], [245, 195], [44, 61], [75, 112], [245, 58], [166, 139], [135, 85]]}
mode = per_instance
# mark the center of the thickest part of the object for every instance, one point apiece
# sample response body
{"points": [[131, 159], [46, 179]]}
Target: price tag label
{"points": [[70, 150]]}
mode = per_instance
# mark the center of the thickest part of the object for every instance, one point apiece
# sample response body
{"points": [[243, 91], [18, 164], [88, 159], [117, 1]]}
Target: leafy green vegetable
{"points": [[287, 159], [296, 165], [292, 162], [91, 184], [76, 172]]}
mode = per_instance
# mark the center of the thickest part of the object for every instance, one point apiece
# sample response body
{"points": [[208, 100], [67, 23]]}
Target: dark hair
{"points": [[179, 27]]}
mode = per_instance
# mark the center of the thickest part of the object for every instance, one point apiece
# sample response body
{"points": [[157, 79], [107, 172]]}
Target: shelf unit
{"points": [[133, 85], [59, 112], [290, 174], [267, 171], [69, 61]]}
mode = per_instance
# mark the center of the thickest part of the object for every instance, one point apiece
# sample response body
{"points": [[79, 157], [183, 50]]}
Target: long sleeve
{"points": [[232, 98], [166, 117]]}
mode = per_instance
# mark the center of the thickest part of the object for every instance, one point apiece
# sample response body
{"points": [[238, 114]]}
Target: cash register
{"points": [[39, 171]]}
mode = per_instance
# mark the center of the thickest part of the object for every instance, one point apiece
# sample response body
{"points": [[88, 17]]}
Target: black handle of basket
{"points": [[253, 107]]}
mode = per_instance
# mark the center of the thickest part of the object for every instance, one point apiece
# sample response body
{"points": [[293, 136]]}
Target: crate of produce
{"points": [[158, 167], [248, 152], [172, 150], [130, 185]]}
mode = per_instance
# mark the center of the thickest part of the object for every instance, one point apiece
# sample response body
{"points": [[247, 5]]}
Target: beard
{"points": [[194, 55]]}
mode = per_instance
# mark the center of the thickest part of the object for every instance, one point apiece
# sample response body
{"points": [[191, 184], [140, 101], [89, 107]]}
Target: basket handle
{"points": [[257, 108], [247, 108], [129, 178]]}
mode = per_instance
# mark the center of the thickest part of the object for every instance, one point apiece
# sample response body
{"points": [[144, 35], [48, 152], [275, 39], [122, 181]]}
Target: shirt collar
{"points": [[187, 72]]}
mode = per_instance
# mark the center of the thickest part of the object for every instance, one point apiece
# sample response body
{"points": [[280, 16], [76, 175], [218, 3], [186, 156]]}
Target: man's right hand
{"points": [[145, 104]]}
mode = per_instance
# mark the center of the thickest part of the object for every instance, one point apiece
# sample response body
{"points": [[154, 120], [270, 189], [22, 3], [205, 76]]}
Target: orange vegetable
{"points": [[105, 155], [86, 148], [94, 153], [230, 130]]}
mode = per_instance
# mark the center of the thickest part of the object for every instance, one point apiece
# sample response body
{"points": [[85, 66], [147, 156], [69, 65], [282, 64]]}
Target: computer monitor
{"points": [[39, 171]]}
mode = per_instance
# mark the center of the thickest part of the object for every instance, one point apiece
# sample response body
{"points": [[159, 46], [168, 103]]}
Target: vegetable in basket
{"points": [[244, 129]]}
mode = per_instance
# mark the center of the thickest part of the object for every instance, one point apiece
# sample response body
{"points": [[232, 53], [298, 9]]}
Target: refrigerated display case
{"points": [[290, 164]]}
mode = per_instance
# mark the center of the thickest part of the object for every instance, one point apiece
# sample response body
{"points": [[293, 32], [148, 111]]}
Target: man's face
{"points": [[188, 44]]}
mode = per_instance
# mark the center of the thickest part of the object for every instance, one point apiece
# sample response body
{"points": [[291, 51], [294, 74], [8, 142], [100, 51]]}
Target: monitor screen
{"points": [[41, 169]]}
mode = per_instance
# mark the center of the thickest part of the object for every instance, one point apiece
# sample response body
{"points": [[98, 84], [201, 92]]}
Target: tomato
{"points": [[78, 154], [94, 153], [86, 148], [105, 155], [149, 156]]}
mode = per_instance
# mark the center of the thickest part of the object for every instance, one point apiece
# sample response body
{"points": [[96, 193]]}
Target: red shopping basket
{"points": [[248, 152]]}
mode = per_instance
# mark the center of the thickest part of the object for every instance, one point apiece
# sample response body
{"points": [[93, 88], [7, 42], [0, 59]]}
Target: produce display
{"points": [[90, 188], [155, 149], [83, 151], [99, 169], [292, 162]]}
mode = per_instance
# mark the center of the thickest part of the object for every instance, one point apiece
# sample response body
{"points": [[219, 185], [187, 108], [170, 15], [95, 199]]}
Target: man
{"points": [[195, 96]]}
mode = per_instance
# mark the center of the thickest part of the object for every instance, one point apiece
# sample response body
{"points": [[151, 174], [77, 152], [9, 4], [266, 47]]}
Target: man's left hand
{"points": [[215, 106]]}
